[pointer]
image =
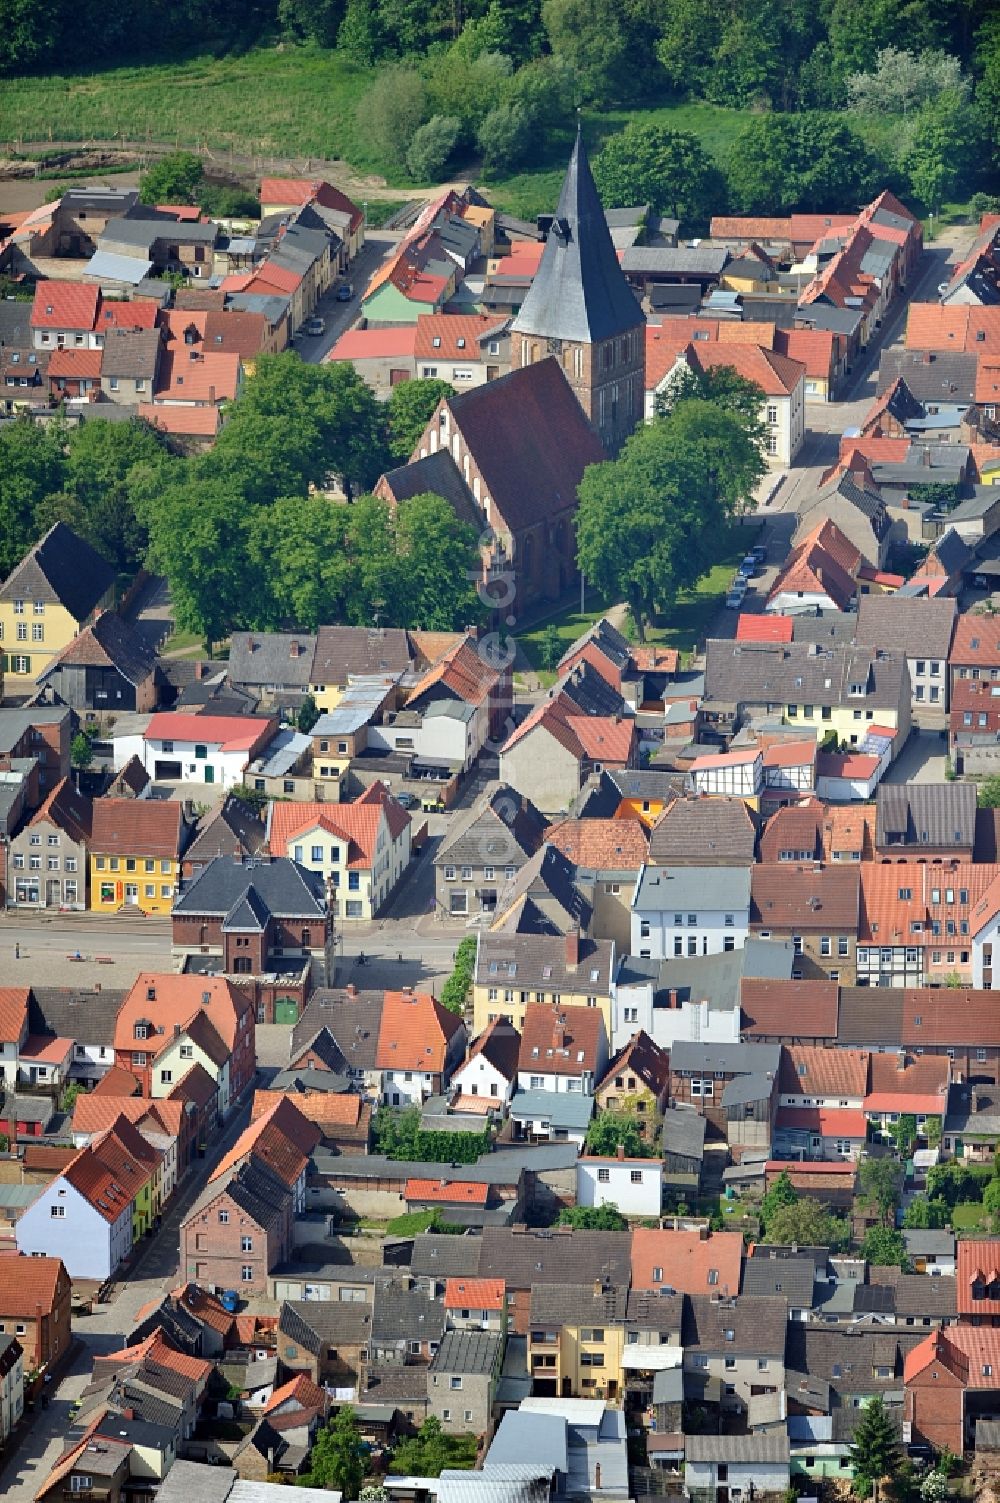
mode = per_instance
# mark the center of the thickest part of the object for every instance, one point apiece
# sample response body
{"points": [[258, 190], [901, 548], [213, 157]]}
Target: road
{"points": [[107, 1329], [340, 316], [132, 944]]}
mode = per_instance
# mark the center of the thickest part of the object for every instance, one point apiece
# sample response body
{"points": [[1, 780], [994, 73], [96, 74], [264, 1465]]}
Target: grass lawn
{"points": [[970, 1216], [569, 625]]}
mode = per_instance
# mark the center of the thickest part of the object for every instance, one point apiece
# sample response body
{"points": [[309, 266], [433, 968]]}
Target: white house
{"points": [[635, 1186], [985, 925], [736, 773], [562, 1049], [789, 770], [690, 910], [177, 747], [781, 379], [11, 1385], [448, 732], [91, 1233], [490, 1072], [852, 777], [730, 1467]]}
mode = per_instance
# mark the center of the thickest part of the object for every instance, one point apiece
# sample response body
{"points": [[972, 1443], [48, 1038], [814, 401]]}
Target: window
{"points": [[246, 1244], [58, 1212], [166, 1077], [224, 1217], [604, 1176], [636, 1177], [455, 1382], [246, 1274], [80, 1484]]}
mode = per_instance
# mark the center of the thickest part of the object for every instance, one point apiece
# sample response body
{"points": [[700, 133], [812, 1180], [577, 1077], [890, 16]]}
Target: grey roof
{"points": [[271, 657], [438, 475], [75, 1013], [826, 316], [579, 291], [929, 1241], [353, 1022], [549, 876], [118, 642], [313, 1324], [401, 1314], [791, 1277], [15, 723], [443, 1256], [736, 1327], [729, 1059], [769, 1447], [281, 754], [110, 266], [503, 828], [796, 673], [918, 1297], [655, 260], [915, 814], [703, 831], [554, 1305], [195, 1482], [539, 961], [554, 1256], [931, 375], [571, 1110], [716, 979], [63, 568], [466, 1352], [916, 628], [233, 828], [342, 651], [846, 1356], [683, 1133], [718, 887], [747, 1088], [503, 1167], [284, 888], [142, 227], [952, 552], [668, 1386], [359, 703], [523, 1433], [132, 353]]}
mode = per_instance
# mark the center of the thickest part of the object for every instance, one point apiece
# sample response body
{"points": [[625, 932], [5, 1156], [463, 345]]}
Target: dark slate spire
{"points": [[579, 292]]}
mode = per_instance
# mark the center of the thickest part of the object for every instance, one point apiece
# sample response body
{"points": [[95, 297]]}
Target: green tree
{"points": [[551, 648], [808, 1224], [437, 558], [902, 80], [410, 407], [392, 112], [875, 1451], [338, 1456], [881, 1180], [173, 179], [432, 1451], [298, 554], [924, 1213], [308, 714], [610, 1131], [723, 386], [28, 33], [778, 163], [468, 90], [649, 522], [668, 169], [316, 21], [904, 1134], [455, 991], [109, 467], [505, 136], [988, 793], [32, 466], [360, 36], [884, 1246], [606, 1218], [430, 147], [942, 150], [598, 40], [81, 753], [199, 541], [782, 1193]]}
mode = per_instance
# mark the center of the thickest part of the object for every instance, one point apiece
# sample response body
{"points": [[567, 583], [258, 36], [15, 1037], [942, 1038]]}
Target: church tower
{"points": [[581, 310]]}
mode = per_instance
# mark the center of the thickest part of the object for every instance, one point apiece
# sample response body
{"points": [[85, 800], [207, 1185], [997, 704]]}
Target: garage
{"points": [[167, 772]]}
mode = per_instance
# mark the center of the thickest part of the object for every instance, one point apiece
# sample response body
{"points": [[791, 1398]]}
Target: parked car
{"points": [[748, 568], [407, 800], [759, 551], [734, 599], [229, 1300], [316, 326], [345, 292]]}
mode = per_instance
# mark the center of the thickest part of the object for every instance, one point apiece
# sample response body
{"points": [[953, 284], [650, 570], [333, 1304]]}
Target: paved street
{"points": [[340, 316], [130, 944], [155, 1271]]}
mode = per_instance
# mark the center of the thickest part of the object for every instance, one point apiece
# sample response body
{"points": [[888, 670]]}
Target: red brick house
{"points": [[935, 1378], [238, 1229], [35, 1301]]}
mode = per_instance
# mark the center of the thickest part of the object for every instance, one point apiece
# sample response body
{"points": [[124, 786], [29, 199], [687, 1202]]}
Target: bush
{"points": [[456, 988], [504, 136], [431, 147]]}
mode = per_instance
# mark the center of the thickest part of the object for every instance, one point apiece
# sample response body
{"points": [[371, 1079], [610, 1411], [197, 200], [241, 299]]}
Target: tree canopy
{"points": [[606, 1218], [431, 1451], [338, 1458], [652, 164]]}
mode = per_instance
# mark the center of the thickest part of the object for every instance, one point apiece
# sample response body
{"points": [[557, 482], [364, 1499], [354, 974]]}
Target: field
{"points": [[303, 102]]}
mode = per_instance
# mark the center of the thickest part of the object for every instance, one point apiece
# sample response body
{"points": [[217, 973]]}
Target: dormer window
{"points": [[460, 344], [436, 341], [140, 1031]]}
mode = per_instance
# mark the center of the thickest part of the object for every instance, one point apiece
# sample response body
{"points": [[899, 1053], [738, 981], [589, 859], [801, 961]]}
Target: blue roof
{"points": [[560, 1108], [106, 266], [540, 1436]]}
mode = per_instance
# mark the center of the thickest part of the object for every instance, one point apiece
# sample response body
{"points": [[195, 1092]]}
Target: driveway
{"points": [[922, 759]]}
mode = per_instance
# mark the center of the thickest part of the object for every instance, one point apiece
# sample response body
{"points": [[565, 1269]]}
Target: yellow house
{"points": [[345, 653], [196, 1044], [53, 592], [637, 1083], [576, 1340], [361, 849], [515, 969], [135, 854]]}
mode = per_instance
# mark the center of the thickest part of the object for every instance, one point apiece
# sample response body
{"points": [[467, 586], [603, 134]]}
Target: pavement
{"points": [[154, 1271], [129, 944], [338, 316], [922, 759]]}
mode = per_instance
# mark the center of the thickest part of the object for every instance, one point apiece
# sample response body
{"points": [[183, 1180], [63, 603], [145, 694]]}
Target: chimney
{"points": [[407, 991], [97, 986], [177, 1030], [598, 1288], [559, 1034], [597, 1474], [703, 1234], [621, 1151], [211, 396], [901, 1060], [351, 989], [199, 670], [573, 948], [295, 650]]}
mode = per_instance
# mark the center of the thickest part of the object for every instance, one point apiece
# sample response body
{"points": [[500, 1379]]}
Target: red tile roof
{"points": [[601, 844], [978, 1263], [976, 642], [184, 422], [803, 1009], [75, 365], [356, 824], [231, 732], [65, 305], [828, 1122], [816, 349], [376, 344], [137, 827], [687, 1261], [457, 335], [557, 1040], [27, 1284], [810, 1071], [933, 326], [176, 1000], [279, 191], [904, 1083], [13, 1013], [414, 1033], [141, 313], [474, 1294], [763, 628], [464, 670], [979, 1345], [460, 1192], [775, 374], [193, 376], [302, 1389]]}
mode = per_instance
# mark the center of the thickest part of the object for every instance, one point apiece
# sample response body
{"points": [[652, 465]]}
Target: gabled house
{"points": [[64, 315], [233, 830], [690, 910], [267, 921], [483, 848], [135, 851], [35, 1300], [553, 752], [361, 849], [817, 907], [919, 629], [47, 859], [637, 1082], [180, 747], [420, 1044], [608, 855], [238, 1229], [487, 1079], [108, 667], [168, 1001], [562, 1049], [46, 600], [696, 1262], [515, 970]]}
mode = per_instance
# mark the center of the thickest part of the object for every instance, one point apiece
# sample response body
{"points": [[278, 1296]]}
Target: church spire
{"points": [[579, 292]]}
